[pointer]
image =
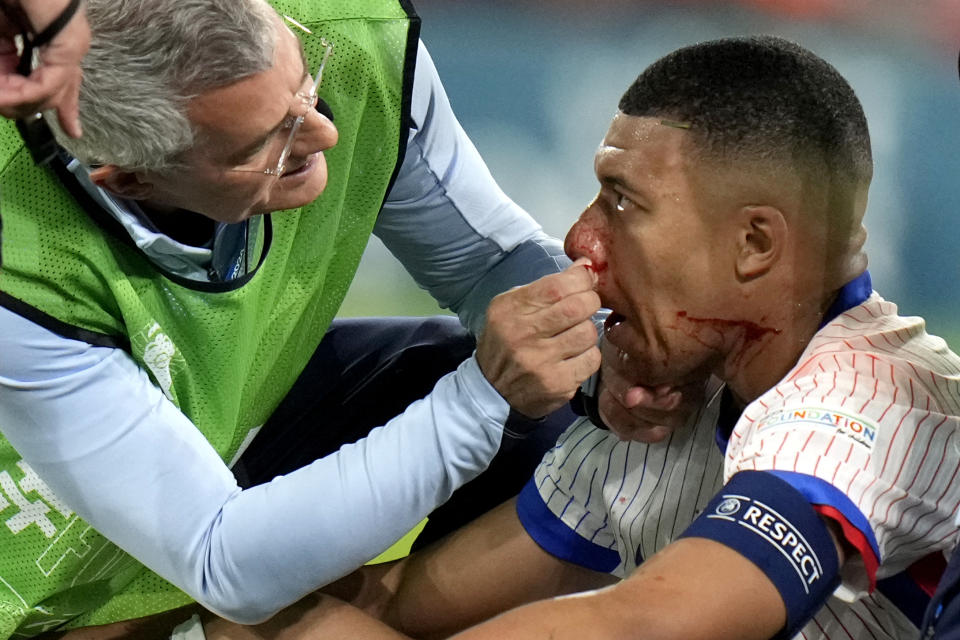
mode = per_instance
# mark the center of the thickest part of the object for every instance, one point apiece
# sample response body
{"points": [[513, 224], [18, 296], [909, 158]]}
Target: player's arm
{"points": [[129, 459], [489, 566], [696, 587]]}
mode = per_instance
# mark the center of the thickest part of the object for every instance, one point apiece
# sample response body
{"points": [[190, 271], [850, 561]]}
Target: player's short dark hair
{"points": [[762, 98]]}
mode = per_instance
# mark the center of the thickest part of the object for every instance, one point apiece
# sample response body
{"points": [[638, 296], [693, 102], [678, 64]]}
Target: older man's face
{"points": [[241, 132], [659, 253]]}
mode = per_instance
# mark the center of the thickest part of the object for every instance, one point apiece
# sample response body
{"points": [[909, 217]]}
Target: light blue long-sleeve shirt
{"points": [[90, 422]]}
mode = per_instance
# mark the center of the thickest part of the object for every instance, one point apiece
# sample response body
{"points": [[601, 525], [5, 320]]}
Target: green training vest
{"points": [[224, 354]]}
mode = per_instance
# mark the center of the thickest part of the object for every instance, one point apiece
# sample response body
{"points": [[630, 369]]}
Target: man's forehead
{"points": [[653, 143], [251, 106]]}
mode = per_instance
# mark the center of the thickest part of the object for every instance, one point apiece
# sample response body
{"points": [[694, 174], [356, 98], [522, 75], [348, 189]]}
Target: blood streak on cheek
{"points": [[751, 330]]}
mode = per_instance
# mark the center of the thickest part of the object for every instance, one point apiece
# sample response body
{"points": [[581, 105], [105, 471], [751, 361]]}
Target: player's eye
{"points": [[623, 203]]}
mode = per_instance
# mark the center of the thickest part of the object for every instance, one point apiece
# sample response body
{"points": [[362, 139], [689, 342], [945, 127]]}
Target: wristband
{"points": [[585, 403], [770, 523]]}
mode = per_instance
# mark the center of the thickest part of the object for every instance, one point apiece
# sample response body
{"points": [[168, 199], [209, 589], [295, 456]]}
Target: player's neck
{"points": [[754, 366]]}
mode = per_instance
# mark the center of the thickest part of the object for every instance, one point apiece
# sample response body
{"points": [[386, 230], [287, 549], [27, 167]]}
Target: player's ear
{"points": [[120, 182], [761, 237]]}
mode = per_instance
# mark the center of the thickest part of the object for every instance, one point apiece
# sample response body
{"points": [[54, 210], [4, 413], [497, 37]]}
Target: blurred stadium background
{"points": [[535, 83]]}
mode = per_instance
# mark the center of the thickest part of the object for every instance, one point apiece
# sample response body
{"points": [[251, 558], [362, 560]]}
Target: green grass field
{"points": [[401, 547]]}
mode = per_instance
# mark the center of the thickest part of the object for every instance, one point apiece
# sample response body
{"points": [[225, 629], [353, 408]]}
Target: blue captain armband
{"points": [[770, 523]]}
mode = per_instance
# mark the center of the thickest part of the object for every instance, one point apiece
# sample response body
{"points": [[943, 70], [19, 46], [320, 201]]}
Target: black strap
{"points": [[585, 404], [33, 40], [57, 25], [34, 131]]}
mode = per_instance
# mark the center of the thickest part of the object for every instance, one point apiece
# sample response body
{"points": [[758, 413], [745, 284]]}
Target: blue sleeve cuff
{"points": [[556, 538]]}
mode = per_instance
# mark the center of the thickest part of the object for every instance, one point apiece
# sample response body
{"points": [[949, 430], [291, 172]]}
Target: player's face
{"points": [[242, 125], [659, 257]]}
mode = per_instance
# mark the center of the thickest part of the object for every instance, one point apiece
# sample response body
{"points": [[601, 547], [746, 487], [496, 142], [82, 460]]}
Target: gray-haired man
{"points": [[153, 316]]}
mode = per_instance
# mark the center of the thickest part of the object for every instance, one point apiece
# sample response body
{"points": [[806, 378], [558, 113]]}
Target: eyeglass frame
{"points": [[309, 99]]}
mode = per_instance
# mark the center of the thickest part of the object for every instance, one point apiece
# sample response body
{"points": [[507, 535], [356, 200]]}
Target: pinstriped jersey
{"points": [[867, 417]]}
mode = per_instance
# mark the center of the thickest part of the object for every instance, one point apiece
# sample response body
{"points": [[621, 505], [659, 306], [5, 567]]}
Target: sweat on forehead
{"points": [[759, 97]]}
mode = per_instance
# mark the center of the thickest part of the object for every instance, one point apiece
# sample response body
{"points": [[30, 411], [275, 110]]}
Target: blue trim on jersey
{"points": [[818, 491], [850, 295], [556, 538], [771, 524]]}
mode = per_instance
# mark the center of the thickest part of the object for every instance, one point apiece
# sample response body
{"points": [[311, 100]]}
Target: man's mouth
{"points": [[307, 165]]}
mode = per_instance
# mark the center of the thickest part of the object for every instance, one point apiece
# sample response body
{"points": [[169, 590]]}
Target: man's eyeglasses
{"points": [[306, 100]]}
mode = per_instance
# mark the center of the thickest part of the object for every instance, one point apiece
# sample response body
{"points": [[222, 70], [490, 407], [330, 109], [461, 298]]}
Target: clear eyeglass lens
{"points": [[307, 100]]}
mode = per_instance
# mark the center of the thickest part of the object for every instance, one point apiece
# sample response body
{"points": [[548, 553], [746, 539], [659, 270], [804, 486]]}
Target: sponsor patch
{"points": [[855, 428]]}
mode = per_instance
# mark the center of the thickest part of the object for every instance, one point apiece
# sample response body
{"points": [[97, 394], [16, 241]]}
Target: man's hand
{"points": [[635, 412], [539, 343], [55, 83]]}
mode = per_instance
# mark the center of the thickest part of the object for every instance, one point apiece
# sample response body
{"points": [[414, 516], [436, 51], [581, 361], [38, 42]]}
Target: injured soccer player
{"points": [[800, 496]]}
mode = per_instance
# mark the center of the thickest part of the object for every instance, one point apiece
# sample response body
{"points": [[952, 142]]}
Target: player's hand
{"points": [[539, 343], [636, 412], [55, 83]]}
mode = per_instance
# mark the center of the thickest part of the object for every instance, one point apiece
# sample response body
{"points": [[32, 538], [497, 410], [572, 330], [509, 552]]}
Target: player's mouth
{"points": [[618, 331], [612, 320]]}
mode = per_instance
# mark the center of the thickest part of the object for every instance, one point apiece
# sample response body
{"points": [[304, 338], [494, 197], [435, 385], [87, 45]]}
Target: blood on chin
{"points": [[625, 352]]}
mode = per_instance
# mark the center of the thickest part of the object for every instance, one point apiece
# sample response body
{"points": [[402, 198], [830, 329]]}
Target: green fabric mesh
{"points": [[225, 358]]}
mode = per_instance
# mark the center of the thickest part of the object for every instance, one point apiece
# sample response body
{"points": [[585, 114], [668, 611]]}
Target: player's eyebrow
{"points": [[618, 182]]}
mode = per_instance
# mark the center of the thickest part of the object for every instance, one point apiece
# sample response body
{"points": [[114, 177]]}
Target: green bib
{"points": [[225, 355]]}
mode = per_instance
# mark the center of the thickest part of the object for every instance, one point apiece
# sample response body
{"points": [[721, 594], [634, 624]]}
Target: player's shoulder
{"points": [[872, 342], [867, 365]]}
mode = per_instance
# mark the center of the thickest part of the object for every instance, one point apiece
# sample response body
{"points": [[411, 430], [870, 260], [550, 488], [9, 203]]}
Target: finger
{"points": [[68, 112], [583, 366], [626, 425], [638, 396], [651, 408], [565, 314], [663, 397], [555, 391], [553, 288], [570, 343], [30, 93]]}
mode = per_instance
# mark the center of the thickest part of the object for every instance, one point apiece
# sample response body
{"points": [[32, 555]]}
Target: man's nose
{"points": [[317, 133], [587, 238]]}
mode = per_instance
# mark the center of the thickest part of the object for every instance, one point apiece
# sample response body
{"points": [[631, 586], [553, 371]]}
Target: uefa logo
{"points": [[728, 507]]}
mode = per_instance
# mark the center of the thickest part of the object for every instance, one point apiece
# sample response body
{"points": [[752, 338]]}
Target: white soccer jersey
{"points": [[865, 426]]}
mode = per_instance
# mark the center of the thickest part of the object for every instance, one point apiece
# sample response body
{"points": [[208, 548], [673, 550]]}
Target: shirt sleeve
{"points": [[446, 220], [92, 425], [864, 439], [562, 507]]}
